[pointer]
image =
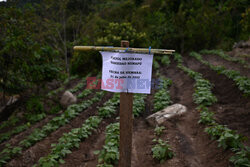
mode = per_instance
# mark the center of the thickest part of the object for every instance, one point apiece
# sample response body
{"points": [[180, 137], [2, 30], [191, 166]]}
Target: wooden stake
{"points": [[126, 125], [134, 50]]}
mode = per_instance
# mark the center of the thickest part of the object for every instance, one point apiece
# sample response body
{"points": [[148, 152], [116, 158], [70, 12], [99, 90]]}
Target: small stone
{"points": [[67, 99], [167, 113]]}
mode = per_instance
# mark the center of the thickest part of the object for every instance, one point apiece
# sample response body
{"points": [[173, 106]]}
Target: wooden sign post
{"points": [[126, 100], [126, 125]]}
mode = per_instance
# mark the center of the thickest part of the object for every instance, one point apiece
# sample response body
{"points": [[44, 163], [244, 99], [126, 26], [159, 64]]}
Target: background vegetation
{"points": [[37, 36]]}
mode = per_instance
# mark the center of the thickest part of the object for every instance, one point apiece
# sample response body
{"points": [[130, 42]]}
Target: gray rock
{"points": [[67, 99], [170, 112]]}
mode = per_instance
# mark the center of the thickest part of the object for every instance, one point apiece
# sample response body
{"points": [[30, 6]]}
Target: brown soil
{"points": [[232, 108], [191, 145]]}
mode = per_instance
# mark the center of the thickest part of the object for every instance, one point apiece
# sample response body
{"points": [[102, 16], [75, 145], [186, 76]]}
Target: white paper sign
{"points": [[126, 72]]}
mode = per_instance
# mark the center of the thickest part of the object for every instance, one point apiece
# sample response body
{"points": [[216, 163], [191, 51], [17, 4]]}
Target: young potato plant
{"points": [[156, 65], [206, 116], [85, 93], [109, 155], [8, 153], [109, 107], [162, 151], [13, 120], [158, 130], [69, 141], [165, 60], [226, 137], [138, 104], [203, 94], [241, 157]]}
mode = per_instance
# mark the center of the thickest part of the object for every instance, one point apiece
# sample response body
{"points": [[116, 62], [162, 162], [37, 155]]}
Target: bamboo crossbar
{"points": [[135, 50]]}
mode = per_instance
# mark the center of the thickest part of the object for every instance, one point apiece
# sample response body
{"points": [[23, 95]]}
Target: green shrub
{"points": [[83, 63]]}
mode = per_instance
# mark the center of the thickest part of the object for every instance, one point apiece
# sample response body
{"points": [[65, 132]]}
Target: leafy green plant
{"points": [[158, 130], [203, 94], [85, 93], [138, 104], [241, 157], [206, 117], [162, 151], [227, 138], [156, 65], [109, 107], [9, 152], [165, 60]]}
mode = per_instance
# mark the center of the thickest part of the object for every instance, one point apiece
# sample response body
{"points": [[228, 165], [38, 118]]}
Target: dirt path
{"points": [[42, 148], [217, 60]]}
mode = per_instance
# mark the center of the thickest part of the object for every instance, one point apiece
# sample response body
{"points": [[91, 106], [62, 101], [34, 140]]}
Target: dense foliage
{"points": [[37, 36]]}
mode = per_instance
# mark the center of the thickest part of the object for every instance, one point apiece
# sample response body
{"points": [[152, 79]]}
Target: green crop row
{"points": [[68, 141], [242, 82], [225, 56], [226, 137], [109, 155], [39, 134], [85, 93], [31, 118], [162, 96], [109, 107], [161, 150], [138, 104], [73, 138]]}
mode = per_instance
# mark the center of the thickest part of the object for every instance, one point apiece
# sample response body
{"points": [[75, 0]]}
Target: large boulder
{"points": [[67, 99], [167, 113]]}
